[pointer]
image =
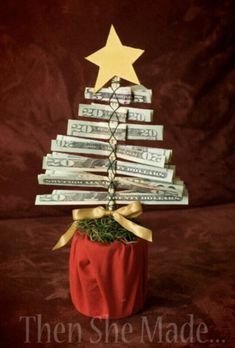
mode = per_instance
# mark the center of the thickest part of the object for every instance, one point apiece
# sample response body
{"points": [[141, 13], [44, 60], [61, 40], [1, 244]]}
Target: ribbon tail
{"points": [[66, 236], [131, 226]]}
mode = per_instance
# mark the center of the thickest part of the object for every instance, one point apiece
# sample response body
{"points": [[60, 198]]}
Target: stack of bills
{"points": [[80, 158]]}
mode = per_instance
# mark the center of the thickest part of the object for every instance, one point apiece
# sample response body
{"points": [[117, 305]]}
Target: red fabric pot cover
{"points": [[108, 280]]}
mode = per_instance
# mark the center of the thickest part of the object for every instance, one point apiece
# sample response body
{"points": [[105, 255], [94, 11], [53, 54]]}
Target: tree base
{"points": [[108, 280]]}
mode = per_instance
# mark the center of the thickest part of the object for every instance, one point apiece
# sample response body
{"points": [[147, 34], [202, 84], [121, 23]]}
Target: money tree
{"points": [[123, 173]]}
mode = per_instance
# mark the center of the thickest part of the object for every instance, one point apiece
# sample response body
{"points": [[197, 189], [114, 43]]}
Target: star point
{"points": [[115, 59]]}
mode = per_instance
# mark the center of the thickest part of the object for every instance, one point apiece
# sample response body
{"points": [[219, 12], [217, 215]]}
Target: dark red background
{"points": [[188, 62]]}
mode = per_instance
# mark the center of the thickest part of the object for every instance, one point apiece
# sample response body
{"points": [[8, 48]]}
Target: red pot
{"points": [[108, 280]]}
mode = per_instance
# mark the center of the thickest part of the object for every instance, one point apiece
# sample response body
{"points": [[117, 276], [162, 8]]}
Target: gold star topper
{"points": [[115, 59]]}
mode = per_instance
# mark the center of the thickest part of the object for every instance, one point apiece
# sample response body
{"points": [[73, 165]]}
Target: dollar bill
{"points": [[79, 145], [144, 132], [143, 185], [161, 197], [101, 165], [142, 171], [102, 111], [74, 197], [103, 130], [141, 94], [86, 179], [123, 95], [137, 114], [99, 130], [72, 163], [105, 112], [159, 160], [145, 155], [151, 198]]}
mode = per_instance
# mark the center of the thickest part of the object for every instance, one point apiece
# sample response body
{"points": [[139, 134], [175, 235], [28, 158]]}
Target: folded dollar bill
{"points": [[74, 197], [123, 95], [104, 130], [86, 179], [101, 165], [106, 112], [98, 130], [140, 154]]}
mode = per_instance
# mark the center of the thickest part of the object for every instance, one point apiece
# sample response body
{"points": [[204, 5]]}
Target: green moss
{"points": [[105, 230]]}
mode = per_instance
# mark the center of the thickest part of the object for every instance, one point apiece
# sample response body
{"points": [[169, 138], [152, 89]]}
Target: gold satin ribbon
{"points": [[120, 215]]}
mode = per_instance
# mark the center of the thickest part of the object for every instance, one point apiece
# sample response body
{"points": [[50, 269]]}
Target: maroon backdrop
{"points": [[188, 62]]}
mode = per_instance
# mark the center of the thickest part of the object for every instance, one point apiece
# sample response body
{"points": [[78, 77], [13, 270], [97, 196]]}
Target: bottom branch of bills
{"points": [[75, 197]]}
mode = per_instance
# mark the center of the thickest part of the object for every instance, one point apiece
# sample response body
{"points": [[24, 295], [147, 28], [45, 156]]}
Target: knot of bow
{"points": [[120, 215]]}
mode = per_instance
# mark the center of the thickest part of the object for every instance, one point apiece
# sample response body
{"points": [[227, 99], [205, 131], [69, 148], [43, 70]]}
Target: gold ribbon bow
{"points": [[120, 215]]}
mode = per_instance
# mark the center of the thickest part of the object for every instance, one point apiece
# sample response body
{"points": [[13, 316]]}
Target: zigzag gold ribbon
{"points": [[120, 215]]}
